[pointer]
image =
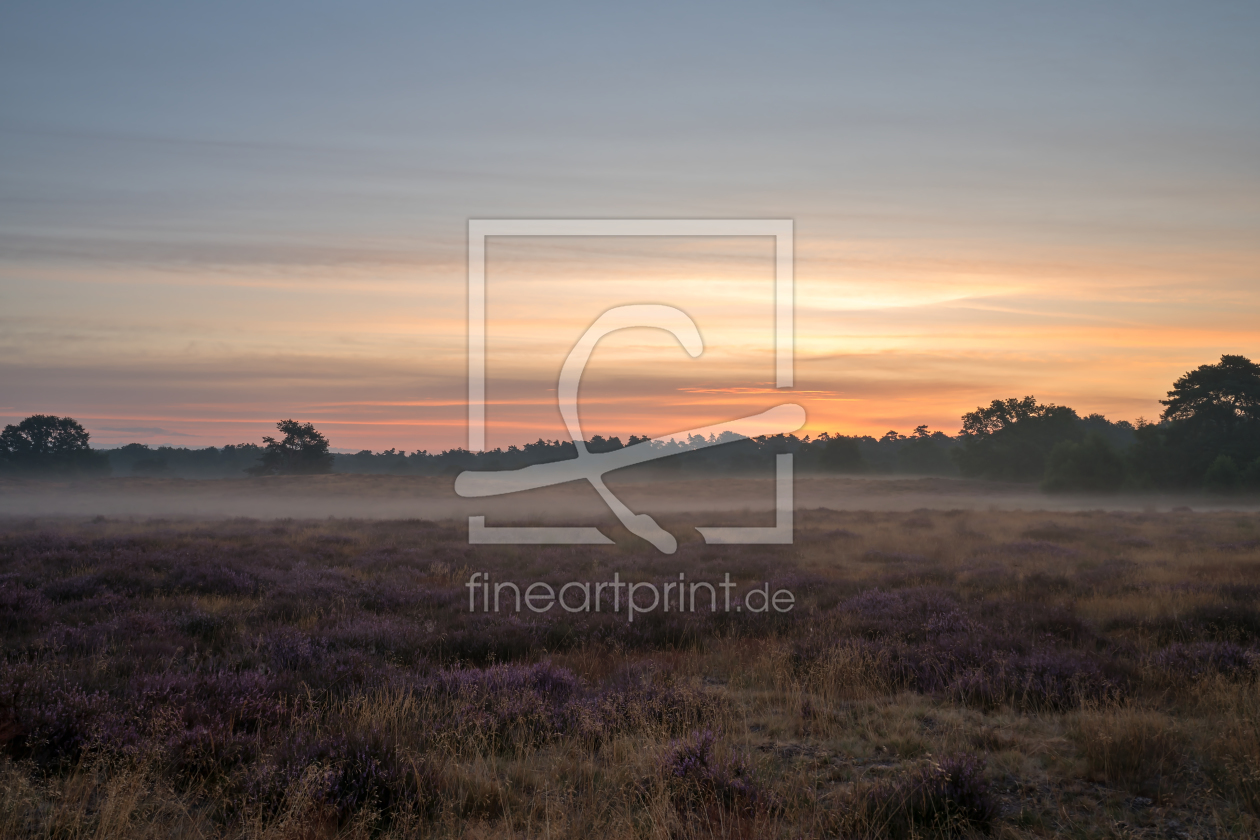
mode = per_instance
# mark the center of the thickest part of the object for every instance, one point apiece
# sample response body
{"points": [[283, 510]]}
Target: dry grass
{"points": [[1139, 749], [832, 730]]}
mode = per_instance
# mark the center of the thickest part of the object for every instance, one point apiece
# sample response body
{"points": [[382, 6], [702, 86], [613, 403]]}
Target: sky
{"points": [[217, 216]]}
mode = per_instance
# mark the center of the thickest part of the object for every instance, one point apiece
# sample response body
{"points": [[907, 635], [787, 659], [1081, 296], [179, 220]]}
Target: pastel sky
{"points": [[215, 216]]}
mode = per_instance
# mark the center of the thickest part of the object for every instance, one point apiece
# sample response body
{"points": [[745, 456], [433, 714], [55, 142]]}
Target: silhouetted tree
{"points": [[926, 453], [1119, 434], [1251, 476], [839, 453], [44, 443], [180, 462], [1091, 466], [1011, 438], [1212, 412], [302, 451], [1228, 392]]}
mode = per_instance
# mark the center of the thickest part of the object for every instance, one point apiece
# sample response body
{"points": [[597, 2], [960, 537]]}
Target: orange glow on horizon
{"points": [[373, 352]]}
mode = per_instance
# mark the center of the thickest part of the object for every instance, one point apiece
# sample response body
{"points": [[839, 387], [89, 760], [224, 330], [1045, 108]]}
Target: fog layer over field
{"points": [[731, 500]]}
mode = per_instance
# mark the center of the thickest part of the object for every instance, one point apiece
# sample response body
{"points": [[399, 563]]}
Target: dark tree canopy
{"points": [[839, 454], [212, 462], [44, 443], [1208, 438], [925, 453], [1092, 466], [1002, 414], [44, 434], [1226, 391], [1210, 432], [1010, 439], [302, 451]]}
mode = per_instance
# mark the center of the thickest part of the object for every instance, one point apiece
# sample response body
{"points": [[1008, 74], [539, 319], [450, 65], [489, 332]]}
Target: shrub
{"points": [[505, 706], [949, 796], [1200, 659], [22, 609], [1046, 680], [1226, 622], [341, 772], [698, 781]]}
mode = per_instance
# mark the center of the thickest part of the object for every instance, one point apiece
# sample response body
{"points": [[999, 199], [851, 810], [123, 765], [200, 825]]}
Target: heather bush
{"points": [[327, 678], [203, 627], [49, 719], [929, 641], [53, 721], [1201, 659], [1045, 680], [699, 781], [507, 706], [287, 649], [343, 772], [205, 579], [901, 614], [1232, 622], [22, 609]]}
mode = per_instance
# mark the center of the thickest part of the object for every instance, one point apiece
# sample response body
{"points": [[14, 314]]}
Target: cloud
{"points": [[142, 430]]}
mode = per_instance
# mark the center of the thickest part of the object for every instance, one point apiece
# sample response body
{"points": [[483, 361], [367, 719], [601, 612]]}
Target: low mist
{"points": [[727, 500]]}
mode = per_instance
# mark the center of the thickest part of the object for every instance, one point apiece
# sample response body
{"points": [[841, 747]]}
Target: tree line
{"points": [[1208, 436]]}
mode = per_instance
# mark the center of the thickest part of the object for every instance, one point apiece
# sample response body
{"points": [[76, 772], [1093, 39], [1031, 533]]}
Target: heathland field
{"points": [[939, 673]]}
